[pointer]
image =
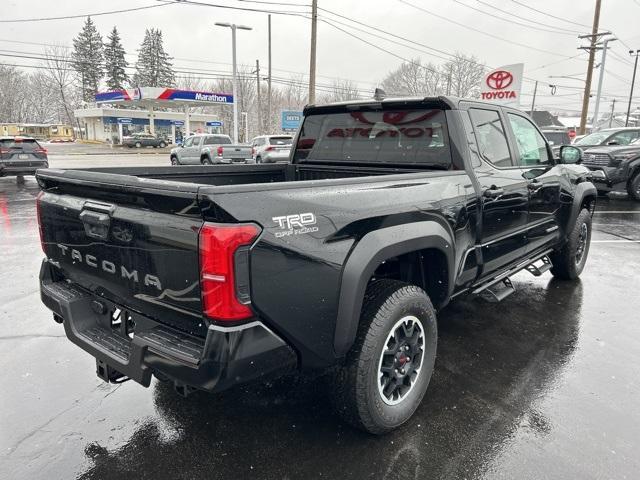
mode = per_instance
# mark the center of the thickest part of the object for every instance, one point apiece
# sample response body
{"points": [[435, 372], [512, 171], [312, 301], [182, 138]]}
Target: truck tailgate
{"points": [[132, 241], [236, 152]]}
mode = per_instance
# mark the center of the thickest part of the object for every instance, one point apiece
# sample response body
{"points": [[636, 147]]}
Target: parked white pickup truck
{"points": [[210, 149]]}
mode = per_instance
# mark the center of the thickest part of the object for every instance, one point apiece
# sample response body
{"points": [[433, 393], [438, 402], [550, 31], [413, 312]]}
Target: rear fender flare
{"points": [[374, 248]]}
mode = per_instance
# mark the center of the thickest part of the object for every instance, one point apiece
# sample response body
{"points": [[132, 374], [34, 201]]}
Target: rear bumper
{"points": [[226, 357], [272, 157], [29, 168]]}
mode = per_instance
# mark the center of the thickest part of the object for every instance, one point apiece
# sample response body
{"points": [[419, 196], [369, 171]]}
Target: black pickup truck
{"points": [[336, 262]]}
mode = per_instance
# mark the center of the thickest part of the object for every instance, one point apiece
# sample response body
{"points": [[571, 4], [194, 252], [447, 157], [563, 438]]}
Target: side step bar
{"points": [[500, 287]]}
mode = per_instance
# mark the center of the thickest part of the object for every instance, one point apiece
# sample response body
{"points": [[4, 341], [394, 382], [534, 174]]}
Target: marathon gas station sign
{"points": [[503, 85], [159, 95]]}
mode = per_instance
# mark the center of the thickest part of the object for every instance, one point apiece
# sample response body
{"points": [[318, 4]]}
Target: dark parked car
{"points": [[337, 262], [21, 156], [140, 140], [608, 136], [616, 168], [556, 138]]}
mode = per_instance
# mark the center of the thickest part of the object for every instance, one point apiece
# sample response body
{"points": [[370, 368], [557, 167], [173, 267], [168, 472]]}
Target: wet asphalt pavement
{"points": [[543, 385]]}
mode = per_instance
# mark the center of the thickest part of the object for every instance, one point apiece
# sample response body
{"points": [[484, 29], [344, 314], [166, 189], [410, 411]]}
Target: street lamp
{"points": [[633, 80], [233, 28], [605, 46]]}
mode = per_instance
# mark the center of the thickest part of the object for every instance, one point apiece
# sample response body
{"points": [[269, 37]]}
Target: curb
{"points": [[70, 154]]}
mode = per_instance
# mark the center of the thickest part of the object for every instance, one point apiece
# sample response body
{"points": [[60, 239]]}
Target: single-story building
{"points": [[55, 132], [108, 124]]}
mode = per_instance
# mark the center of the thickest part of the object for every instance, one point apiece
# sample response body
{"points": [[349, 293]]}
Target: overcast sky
{"points": [[195, 43]]}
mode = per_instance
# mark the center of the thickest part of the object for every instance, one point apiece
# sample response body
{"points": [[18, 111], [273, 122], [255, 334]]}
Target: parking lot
{"points": [[543, 385]]}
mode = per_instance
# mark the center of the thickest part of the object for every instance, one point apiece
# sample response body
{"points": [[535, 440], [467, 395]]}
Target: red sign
{"points": [[499, 79]]}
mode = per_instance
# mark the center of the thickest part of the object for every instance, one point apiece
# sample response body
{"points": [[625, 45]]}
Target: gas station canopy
{"points": [[153, 97]]}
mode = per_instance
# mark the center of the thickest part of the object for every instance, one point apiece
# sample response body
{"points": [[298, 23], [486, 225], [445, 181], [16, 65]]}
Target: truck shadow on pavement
{"points": [[494, 362]]}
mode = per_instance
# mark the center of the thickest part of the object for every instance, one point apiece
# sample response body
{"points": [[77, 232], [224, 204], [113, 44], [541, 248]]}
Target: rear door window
{"points": [[209, 140], [395, 136], [492, 141], [222, 140]]}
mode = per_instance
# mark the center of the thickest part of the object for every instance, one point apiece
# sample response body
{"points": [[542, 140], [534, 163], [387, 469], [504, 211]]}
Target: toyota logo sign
{"points": [[499, 79]]}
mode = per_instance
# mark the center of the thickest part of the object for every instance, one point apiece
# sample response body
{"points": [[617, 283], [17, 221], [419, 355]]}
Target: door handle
{"points": [[493, 192]]}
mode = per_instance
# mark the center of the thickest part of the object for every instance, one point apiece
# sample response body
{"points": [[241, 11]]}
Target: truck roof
{"points": [[444, 102]]}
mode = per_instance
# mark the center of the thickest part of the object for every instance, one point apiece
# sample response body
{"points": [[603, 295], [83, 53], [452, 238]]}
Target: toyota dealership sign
{"points": [[503, 85]]}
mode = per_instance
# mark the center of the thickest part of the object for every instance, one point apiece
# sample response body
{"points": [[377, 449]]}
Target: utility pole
{"points": [[259, 102], [633, 80], [613, 108], [312, 59], [533, 102], [605, 46], [592, 51], [269, 78]]}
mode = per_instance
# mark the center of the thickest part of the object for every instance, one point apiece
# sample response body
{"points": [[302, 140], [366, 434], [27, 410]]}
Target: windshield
{"points": [[594, 138], [383, 137]]}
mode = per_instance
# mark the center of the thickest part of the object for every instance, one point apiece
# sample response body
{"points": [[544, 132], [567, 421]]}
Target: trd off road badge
{"points": [[296, 224]]}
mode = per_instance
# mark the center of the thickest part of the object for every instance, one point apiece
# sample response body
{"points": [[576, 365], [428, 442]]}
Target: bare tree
{"points": [[459, 76], [12, 94], [341, 90], [58, 62], [465, 74]]}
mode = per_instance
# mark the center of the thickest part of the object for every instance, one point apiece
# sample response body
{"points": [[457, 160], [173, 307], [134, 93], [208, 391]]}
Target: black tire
{"points": [[633, 187], [174, 161], [258, 159], [162, 145], [358, 387], [206, 161], [138, 145], [569, 261]]}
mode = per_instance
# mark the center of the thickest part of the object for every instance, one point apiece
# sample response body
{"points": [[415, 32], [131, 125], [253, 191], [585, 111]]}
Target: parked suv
{"points": [[271, 148], [21, 156], [615, 168], [140, 140]]}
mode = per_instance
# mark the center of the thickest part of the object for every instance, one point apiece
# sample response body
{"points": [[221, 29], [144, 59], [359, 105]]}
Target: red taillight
{"points": [[220, 151], [41, 150], [218, 262], [269, 149], [4, 150], [39, 215]]}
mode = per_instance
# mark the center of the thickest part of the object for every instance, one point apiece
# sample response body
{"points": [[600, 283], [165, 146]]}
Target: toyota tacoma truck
{"points": [[337, 262], [615, 168]]}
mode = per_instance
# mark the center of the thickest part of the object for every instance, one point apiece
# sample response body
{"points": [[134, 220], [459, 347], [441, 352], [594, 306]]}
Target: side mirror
{"points": [[570, 155]]}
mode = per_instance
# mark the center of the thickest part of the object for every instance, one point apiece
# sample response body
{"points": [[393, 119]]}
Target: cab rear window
{"points": [[413, 137]]}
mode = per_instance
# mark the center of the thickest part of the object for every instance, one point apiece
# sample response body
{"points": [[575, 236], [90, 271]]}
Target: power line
{"points": [[229, 7], [511, 42], [495, 17], [547, 14], [69, 17]]}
